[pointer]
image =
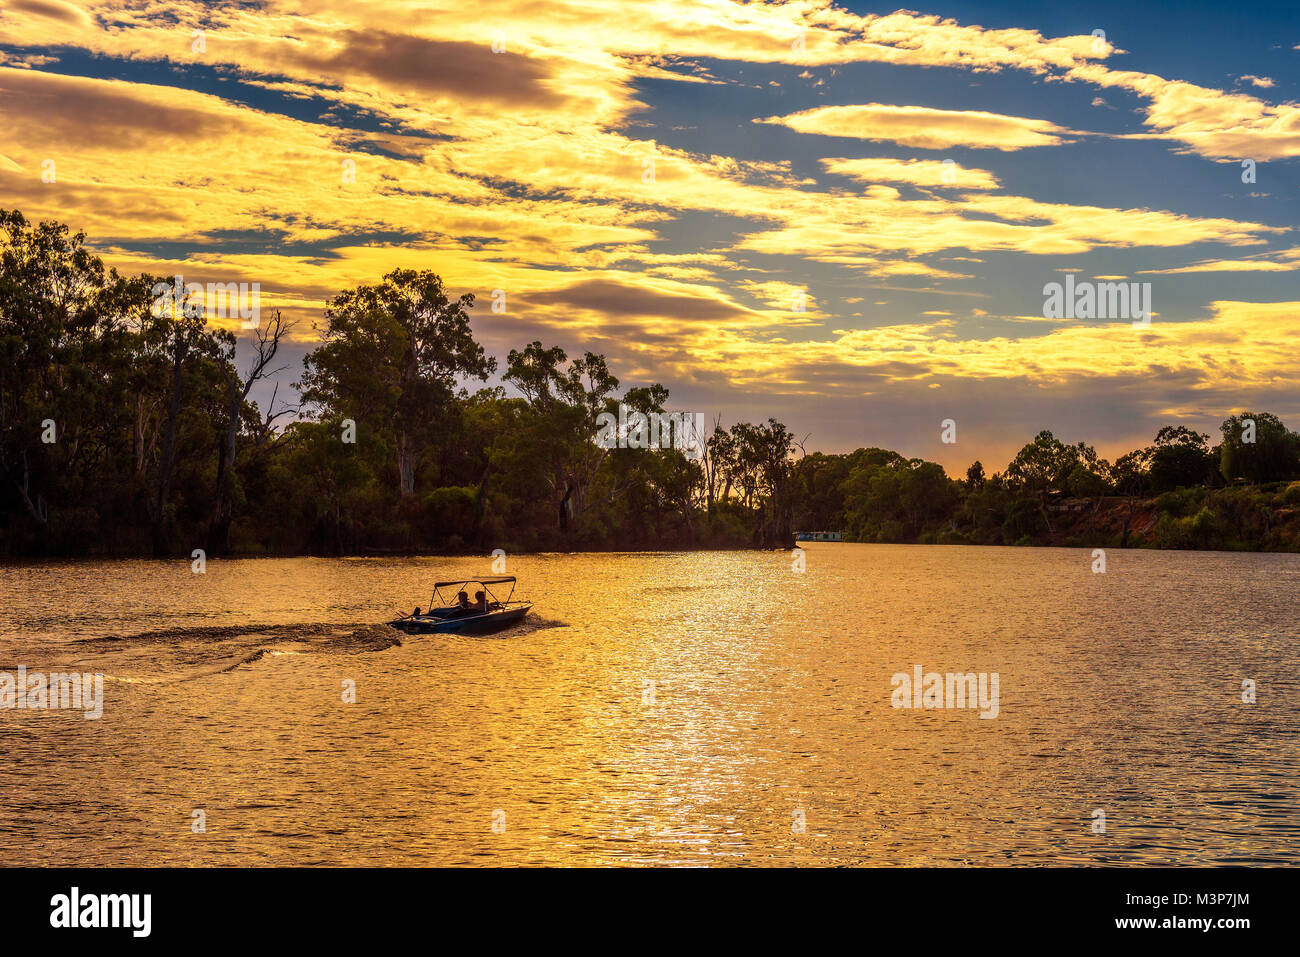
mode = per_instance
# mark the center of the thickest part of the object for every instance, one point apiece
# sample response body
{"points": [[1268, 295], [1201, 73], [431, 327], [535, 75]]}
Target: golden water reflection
{"points": [[661, 709]]}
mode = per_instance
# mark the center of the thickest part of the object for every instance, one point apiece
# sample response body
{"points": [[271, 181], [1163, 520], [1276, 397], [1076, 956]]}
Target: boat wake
{"points": [[172, 655], [530, 625], [185, 654], [535, 622]]}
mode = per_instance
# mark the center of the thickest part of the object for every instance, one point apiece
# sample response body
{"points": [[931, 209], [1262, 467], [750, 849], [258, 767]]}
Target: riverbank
{"points": [[1238, 519], [1245, 518]]}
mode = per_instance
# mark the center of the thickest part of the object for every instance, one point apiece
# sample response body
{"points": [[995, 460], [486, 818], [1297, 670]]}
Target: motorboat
{"points": [[446, 615]]}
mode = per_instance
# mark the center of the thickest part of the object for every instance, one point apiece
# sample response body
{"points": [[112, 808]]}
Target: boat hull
{"points": [[469, 625]]}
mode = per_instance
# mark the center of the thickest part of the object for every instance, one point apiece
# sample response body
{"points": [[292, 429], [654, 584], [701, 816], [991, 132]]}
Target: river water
{"points": [[715, 708]]}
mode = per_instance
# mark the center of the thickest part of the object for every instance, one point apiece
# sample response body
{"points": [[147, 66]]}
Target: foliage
{"points": [[128, 429]]}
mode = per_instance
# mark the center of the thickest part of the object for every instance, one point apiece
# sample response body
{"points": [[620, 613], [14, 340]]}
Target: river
{"points": [[707, 708]]}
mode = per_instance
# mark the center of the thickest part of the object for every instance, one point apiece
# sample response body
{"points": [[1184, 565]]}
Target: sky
{"points": [[840, 215]]}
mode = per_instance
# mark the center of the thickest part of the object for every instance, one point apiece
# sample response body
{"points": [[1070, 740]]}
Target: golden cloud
{"points": [[924, 127], [914, 172]]}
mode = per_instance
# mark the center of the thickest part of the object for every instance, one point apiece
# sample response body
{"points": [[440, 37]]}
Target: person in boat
{"points": [[462, 600], [480, 602]]}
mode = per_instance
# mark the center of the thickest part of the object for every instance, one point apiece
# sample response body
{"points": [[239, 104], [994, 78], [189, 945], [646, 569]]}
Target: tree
{"points": [[1272, 456], [899, 500], [51, 294], [1179, 458], [1129, 476], [723, 463], [757, 463], [564, 404], [1043, 465], [266, 343], [390, 359], [818, 494], [1048, 465]]}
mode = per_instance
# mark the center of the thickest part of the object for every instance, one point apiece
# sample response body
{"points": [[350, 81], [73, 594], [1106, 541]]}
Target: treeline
{"points": [[1179, 492], [126, 428]]}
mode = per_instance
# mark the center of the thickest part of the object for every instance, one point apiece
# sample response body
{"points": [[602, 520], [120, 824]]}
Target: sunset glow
{"points": [[662, 186]]}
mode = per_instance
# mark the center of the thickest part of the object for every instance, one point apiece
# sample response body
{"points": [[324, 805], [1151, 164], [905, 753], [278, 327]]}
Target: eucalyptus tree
{"points": [[1258, 447], [564, 403], [67, 348], [391, 358], [266, 339]]}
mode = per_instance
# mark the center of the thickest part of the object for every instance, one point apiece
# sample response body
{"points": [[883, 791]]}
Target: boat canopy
{"points": [[479, 581], [487, 584]]}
